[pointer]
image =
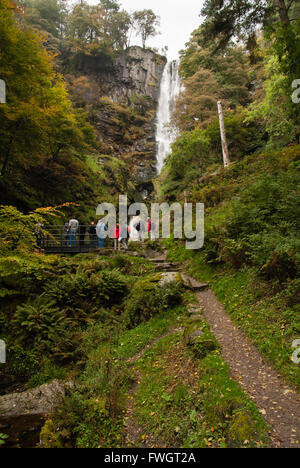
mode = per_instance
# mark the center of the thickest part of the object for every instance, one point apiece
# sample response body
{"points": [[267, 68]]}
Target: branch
{"points": [[289, 6]]}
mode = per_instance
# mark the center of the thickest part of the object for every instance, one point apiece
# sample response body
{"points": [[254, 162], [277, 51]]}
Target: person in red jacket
{"points": [[117, 244], [151, 227]]}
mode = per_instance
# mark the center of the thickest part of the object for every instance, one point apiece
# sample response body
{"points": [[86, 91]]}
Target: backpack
{"points": [[137, 227]]}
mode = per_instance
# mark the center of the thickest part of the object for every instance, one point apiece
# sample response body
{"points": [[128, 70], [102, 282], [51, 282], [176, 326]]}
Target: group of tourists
{"points": [[98, 233], [73, 231]]}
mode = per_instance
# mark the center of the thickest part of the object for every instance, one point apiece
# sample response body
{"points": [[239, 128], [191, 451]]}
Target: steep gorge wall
{"points": [[121, 97]]}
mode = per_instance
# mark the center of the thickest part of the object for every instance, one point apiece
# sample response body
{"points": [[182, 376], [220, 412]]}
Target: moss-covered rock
{"points": [[50, 436], [241, 429], [198, 336], [149, 297]]}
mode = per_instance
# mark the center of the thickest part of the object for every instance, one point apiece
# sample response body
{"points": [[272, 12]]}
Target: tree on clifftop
{"points": [[146, 23]]}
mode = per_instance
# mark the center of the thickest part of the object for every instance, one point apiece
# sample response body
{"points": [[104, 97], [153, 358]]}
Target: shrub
{"points": [[147, 299], [44, 328], [87, 291], [81, 423], [259, 226], [22, 363]]}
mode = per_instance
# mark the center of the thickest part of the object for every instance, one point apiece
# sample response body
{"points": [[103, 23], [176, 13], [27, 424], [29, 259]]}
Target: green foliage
{"points": [[86, 292], [45, 328], [22, 363], [241, 18], [82, 423], [241, 429], [147, 299], [276, 109], [195, 151], [3, 437], [251, 250], [98, 29], [42, 137], [281, 27], [204, 343], [58, 306], [49, 436], [230, 67], [49, 372], [48, 15], [260, 227], [17, 229]]}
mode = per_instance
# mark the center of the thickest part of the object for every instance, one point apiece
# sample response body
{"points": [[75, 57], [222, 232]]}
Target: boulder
{"points": [[191, 283], [169, 277], [42, 400]]}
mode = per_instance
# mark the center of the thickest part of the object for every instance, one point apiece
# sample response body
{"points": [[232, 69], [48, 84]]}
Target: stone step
{"points": [[133, 253], [158, 259], [193, 284], [165, 267]]}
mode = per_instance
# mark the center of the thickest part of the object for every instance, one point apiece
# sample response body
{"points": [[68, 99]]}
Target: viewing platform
{"points": [[54, 240]]}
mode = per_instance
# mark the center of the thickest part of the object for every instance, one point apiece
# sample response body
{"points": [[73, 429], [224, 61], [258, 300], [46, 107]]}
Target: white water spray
{"points": [[169, 90]]}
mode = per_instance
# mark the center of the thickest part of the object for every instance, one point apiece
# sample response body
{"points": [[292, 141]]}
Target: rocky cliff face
{"points": [[135, 70], [121, 97]]}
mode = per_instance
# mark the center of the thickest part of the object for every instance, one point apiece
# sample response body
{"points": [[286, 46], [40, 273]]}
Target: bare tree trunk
{"points": [[283, 12], [223, 136]]}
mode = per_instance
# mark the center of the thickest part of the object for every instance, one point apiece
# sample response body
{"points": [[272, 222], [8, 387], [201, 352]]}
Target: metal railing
{"points": [[55, 239]]}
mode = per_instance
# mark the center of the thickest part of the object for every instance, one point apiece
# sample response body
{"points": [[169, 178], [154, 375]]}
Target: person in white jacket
{"points": [[73, 225], [137, 229], [101, 229]]}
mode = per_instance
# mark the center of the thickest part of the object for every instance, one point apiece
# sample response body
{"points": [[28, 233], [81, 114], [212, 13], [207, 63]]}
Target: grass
{"points": [[133, 341], [254, 305], [180, 401], [186, 402], [93, 415], [184, 398]]}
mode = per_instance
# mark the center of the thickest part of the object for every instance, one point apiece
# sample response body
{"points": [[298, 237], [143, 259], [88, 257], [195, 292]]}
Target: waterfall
{"points": [[169, 90]]}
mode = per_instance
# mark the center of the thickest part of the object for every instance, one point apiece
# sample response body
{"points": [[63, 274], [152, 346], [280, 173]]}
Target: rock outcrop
{"points": [[121, 97], [134, 70], [41, 400]]}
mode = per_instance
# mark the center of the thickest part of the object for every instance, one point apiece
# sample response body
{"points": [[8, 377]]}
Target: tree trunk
{"points": [[223, 136], [283, 12]]}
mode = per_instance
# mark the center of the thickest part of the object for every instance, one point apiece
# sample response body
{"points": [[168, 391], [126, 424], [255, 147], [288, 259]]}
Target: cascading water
{"points": [[169, 90]]}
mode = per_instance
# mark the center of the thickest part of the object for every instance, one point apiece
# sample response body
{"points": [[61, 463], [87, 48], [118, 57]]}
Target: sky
{"points": [[179, 18]]}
